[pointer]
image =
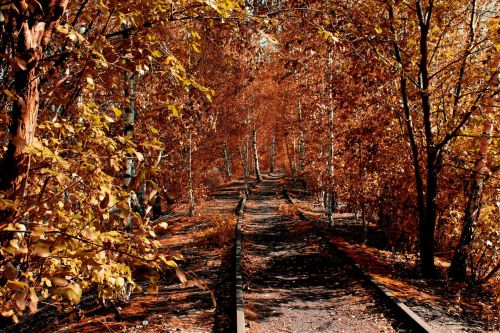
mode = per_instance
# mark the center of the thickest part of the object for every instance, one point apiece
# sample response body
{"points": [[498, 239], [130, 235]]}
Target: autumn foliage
{"points": [[114, 113]]}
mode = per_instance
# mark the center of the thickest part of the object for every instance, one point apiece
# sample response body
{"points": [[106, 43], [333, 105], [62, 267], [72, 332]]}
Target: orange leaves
{"points": [[8, 271]]}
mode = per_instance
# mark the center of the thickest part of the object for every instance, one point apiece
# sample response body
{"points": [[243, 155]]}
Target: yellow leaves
{"points": [[151, 38], [174, 110], [156, 54], [71, 32], [11, 94], [41, 248], [181, 275], [16, 285], [72, 293], [328, 35], [90, 83], [5, 203], [378, 29], [196, 47], [63, 29], [118, 112], [10, 313], [195, 35], [171, 263]]}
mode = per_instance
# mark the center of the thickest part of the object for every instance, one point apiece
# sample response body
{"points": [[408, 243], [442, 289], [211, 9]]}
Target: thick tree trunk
{"points": [[458, 268], [256, 155], [16, 162], [29, 37], [428, 223]]}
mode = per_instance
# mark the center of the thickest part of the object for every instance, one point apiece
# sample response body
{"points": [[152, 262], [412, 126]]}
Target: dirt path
{"points": [[294, 281]]}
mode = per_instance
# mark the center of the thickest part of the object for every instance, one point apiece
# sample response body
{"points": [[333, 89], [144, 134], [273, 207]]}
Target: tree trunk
{"points": [[426, 200], [458, 268], [129, 124], [227, 160], [256, 155], [329, 194], [290, 160], [244, 160], [273, 147], [302, 144], [190, 177], [29, 31], [16, 162], [428, 223]]}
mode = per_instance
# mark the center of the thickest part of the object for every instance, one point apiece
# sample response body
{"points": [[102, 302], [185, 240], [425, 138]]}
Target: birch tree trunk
{"points": [[256, 155], [227, 160], [129, 124]]}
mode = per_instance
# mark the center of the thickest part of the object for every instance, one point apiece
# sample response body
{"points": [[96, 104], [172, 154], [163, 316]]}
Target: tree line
{"points": [[112, 113]]}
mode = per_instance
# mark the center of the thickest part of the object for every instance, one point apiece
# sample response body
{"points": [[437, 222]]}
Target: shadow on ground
{"points": [[289, 265]]}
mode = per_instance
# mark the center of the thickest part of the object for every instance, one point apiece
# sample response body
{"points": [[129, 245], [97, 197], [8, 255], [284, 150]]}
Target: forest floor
{"points": [[178, 307], [447, 306], [296, 278]]}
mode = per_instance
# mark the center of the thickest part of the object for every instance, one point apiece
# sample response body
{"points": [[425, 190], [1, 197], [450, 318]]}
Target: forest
{"points": [[114, 114]]}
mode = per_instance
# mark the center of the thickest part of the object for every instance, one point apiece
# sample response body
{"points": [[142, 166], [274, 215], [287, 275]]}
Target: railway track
{"points": [[290, 279]]}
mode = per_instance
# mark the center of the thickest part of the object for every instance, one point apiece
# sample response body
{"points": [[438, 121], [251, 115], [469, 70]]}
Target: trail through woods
{"points": [[294, 281], [115, 113]]}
